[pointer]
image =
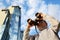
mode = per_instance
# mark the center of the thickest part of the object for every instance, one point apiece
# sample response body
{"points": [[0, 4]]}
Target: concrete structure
{"points": [[15, 23], [5, 35]]}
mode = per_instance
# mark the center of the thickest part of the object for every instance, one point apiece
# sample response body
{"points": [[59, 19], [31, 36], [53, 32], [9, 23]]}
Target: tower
{"points": [[15, 23]]}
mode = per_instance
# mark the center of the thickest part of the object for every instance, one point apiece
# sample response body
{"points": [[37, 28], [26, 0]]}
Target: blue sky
{"points": [[52, 1], [30, 7]]}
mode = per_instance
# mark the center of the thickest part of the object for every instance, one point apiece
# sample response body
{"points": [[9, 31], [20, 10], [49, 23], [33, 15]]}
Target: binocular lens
{"points": [[30, 21], [38, 15]]}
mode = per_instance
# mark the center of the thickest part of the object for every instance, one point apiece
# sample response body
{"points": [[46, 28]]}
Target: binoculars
{"points": [[38, 19]]}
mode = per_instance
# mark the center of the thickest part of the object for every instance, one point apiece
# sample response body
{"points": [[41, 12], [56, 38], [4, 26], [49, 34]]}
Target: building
{"points": [[12, 22]]}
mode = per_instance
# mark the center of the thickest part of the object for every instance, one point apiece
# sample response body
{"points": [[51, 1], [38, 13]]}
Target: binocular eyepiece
{"points": [[37, 20], [30, 21], [38, 15]]}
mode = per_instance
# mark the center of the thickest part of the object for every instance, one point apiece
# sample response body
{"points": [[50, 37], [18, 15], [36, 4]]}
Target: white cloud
{"points": [[33, 3], [30, 12], [14, 3], [17, 2], [43, 7], [54, 10], [23, 27], [33, 8], [21, 1], [50, 9], [8, 1], [2, 5]]}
